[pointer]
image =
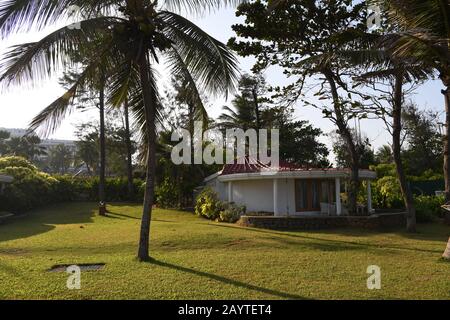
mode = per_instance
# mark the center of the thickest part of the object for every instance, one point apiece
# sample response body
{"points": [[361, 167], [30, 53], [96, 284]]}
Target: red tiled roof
{"points": [[256, 166]]}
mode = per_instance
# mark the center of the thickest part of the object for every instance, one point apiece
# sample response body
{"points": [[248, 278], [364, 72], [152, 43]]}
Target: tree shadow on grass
{"points": [[44, 220], [326, 247], [116, 215], [11, 231], [121, 215], [279, 294], [334, 241]]}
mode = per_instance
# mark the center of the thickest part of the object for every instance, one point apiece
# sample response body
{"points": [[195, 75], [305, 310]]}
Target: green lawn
{"points": [[198, 259]]}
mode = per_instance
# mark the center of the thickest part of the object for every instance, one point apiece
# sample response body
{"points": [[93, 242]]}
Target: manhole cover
{"points": [[83, 267]]}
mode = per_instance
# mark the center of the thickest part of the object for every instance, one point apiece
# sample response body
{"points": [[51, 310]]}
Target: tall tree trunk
{"points": [[346, 134], [396, 150], [191, 127], [446, 94], [102, 179], [149, 97], [447, 251], [257, 116], [129, 152]]}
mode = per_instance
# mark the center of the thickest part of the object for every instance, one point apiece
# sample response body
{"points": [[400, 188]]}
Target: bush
{"points": [[387, 193], [16, 162], [231, 213], [208, 205], [428, 208], [167, 194], [30, 188]]}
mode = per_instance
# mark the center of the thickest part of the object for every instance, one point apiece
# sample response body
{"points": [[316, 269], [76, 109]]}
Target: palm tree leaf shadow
{"points": [[279, 294]]}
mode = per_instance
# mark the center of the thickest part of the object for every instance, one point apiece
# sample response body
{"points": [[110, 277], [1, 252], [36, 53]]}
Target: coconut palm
{"points": [[136, 35], [424, 35]]}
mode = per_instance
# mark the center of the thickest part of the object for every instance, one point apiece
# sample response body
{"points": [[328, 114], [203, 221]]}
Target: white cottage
{"points": [[288, 190]]}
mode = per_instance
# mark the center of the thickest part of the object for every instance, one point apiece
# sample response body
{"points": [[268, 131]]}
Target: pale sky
{"points": [[19, 105]]}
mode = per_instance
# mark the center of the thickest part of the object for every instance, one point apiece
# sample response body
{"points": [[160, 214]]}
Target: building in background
{"points": [[47, 145]]}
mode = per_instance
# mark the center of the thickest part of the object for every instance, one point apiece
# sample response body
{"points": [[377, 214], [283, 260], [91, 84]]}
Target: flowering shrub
{"points": [[208, 204]]}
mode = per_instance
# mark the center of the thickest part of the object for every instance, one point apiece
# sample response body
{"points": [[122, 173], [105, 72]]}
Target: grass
{"points": [[198, 259]]}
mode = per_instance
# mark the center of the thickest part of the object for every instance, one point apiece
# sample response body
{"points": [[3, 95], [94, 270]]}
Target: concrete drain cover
{"points": [[83, 267]]}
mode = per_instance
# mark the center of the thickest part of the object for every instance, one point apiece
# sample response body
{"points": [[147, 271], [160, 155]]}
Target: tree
{"points": [[60, 158], [129, 145], [298, 139], [94, 89], [424, 35], [364, 148], [190, 107], [116, 160], [423, 148], [4, 137], [384, 155], [27, 146], [87, 149], [303, 38], [134, 41]]}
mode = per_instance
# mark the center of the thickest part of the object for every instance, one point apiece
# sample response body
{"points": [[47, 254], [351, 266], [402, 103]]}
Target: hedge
{"points": [[32, 188]]}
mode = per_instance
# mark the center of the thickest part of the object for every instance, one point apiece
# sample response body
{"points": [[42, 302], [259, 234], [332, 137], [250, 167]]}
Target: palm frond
{"points": [[49, 119], [41, 60], [199, 6], [208, 60], [178, 68], [23, 15]]}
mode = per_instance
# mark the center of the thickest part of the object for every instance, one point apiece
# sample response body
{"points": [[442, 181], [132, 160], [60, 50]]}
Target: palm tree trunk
{"points": [[129, 152], [396, 150], [149, 97], [346, 134], [191, 128], [447, 251], [102, 179]]}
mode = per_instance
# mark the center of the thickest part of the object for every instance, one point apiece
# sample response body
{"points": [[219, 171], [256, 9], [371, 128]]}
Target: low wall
{"points": [[377, 221]]}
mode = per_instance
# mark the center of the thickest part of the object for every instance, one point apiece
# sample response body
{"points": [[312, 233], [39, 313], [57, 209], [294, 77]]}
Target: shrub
{"points": [[387, 193], [86, 189], [231, 213], [167, 194], [428, 208], [16, 162], [30, 189], [208, 204]]}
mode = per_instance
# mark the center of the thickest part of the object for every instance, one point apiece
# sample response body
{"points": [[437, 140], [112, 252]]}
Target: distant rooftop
{"points": [[20, 132]]}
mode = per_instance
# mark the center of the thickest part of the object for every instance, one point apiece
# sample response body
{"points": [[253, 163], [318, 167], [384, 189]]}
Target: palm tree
{"points": [[424, 35], [247, 105], [136, 35], [241, 115], [129, 150], [93, 89]]}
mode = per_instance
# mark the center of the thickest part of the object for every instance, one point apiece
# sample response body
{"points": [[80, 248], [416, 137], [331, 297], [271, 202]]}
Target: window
{"points": [[309, 194]]}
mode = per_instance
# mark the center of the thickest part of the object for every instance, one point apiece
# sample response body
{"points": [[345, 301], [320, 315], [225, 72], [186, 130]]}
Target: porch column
{"points": [[276, 210], [369, 197], [338, 197], [230, 191]]}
